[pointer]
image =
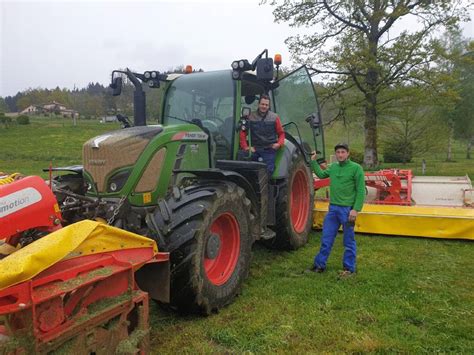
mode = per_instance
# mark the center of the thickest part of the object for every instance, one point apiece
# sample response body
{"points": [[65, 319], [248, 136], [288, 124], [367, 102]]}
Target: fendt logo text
{"points": [[18, 200]]}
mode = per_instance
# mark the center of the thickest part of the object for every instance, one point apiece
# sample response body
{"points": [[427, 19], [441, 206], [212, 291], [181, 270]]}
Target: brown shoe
{"points": [[344, 274]]}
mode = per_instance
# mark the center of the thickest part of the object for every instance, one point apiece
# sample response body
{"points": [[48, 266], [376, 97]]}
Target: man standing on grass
{"points": [[347, 192]]}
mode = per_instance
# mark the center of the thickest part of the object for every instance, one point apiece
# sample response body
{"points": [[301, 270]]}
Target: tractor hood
{"points": [[103, 154]]}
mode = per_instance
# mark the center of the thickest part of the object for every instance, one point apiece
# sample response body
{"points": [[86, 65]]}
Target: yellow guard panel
{"points": [[78, 239], [416, 221]]}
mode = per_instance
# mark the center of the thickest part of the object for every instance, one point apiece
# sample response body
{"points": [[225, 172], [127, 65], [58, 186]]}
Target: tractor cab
{"points": [[217, 101]]}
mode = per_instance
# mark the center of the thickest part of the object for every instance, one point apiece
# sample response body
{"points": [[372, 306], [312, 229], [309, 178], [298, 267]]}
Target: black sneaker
{"points": [[315, 269]]}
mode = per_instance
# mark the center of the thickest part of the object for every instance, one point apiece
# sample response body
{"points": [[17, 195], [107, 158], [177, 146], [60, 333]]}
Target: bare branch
{"points": [[318, 71], [343, 20]]}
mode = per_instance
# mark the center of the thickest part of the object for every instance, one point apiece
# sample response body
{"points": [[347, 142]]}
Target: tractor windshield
{"points": [[207, 97]]}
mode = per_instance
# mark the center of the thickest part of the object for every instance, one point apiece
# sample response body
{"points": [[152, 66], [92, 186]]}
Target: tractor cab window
{"points": [[296, 103], [206, 98]]}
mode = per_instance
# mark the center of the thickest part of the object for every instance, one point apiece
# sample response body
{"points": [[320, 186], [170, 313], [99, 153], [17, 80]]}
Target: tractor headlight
{"points": [[147, 75], [235, 65], [117, 181], [154, 74], [241, 64]]}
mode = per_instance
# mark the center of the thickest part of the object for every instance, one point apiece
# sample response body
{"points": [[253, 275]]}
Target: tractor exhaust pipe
{"points": [[139, 101]]}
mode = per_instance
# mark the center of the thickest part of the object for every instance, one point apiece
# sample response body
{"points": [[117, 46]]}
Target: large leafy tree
{"points": [[359, 42]]}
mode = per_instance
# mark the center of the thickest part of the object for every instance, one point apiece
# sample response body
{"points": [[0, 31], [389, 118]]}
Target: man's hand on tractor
{"points": [[314, 156], [252, 149], [275, 146]]}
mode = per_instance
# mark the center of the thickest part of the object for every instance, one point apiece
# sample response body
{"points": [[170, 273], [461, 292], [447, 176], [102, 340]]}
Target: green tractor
{"points": [[180, 183]]}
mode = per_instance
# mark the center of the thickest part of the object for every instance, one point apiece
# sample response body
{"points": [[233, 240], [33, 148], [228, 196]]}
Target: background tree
{"points": [[447, 82], [3, 106], [464, 110], [353, 40], [411, 128]]}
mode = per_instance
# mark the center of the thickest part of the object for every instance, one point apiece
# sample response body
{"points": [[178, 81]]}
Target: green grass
{"points": [[30, 148], [410, 295]]}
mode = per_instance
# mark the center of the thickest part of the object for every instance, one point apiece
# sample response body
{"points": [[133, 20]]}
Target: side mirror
{"points": [[314, 120], [250, 99], [265, 69], [116, 86]]}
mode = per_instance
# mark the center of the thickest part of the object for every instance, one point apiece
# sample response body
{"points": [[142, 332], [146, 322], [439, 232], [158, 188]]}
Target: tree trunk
{"points": [[370, 129], [469, 148], [370, 124], [449, 153]]}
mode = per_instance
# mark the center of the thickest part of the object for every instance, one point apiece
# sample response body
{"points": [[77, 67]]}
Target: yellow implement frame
{"points": [[416, 221]]}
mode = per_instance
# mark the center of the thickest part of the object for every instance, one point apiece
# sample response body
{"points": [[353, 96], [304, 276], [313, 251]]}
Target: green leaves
{"points": [[371, 44]]}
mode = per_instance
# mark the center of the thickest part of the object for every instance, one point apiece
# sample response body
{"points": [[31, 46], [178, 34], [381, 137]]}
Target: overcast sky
{"points": [[71, 43]]}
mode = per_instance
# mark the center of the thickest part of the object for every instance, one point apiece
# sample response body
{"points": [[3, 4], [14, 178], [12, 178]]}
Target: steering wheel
{"points": [[211, 125], [215, 118]]}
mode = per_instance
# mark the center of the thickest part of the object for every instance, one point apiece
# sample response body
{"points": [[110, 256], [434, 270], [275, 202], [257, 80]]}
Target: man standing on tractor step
{"points": [[266, 134], [347, 193]]}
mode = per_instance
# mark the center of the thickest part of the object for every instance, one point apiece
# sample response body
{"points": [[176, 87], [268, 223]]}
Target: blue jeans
{"points": [[267, 156], [337, 216]]}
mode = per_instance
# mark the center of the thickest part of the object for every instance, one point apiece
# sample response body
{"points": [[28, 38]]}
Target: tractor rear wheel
{"points": [[209, 227], [294, 207]]}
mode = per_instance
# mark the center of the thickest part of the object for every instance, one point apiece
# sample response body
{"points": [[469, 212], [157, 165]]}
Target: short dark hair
{"points": [[341, 145], [264, 97]]}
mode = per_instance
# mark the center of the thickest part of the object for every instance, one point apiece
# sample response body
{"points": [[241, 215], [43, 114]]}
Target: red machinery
{"points": [[82, 304], [392, 186], [385, 187], [88, 304], [28, 210]]}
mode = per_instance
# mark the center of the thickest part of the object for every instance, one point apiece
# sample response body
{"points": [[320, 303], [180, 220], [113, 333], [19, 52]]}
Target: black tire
{"points": [[294, 211], [200, 281]]}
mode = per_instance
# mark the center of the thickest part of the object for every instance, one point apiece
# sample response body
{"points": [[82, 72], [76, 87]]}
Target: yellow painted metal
{"points": [[81, 238], [417, 221]]}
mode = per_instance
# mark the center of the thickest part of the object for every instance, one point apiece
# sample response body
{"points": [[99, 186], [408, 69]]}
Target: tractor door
{"points": [[296, 103]]}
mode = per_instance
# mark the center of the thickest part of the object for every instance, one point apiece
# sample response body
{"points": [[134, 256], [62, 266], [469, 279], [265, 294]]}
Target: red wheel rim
{"points": [[299, 201], [220, 269]]}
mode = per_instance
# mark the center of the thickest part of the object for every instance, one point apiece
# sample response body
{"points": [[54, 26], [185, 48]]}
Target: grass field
{"points": [[410, 295], [30, 148]]}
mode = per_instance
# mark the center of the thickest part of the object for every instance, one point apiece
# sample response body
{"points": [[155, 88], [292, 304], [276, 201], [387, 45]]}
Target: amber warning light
{"points": [[189, 69], [277, 59]]}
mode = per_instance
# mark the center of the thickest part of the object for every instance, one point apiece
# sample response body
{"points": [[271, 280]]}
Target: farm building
{"points": [[49, 108]]}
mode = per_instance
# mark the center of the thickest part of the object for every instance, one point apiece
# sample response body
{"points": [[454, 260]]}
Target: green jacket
{"points": [[347, 186]]}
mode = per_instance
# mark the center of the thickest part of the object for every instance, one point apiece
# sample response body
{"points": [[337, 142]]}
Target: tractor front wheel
{"points": [[209, 267]]}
